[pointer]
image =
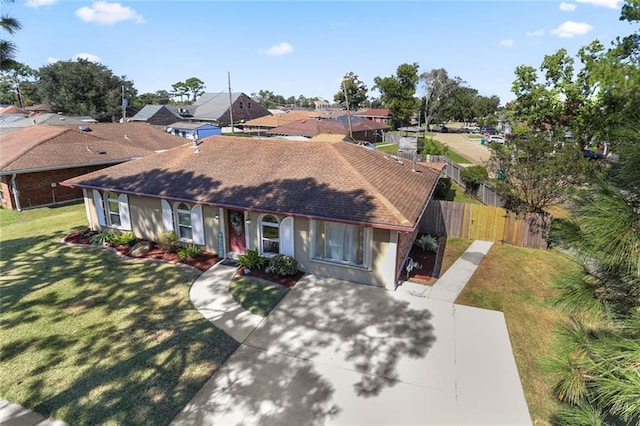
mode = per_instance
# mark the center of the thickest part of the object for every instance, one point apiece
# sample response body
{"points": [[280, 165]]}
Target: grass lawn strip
{"points": [[90, 338], [519, 282], [257, 296]]}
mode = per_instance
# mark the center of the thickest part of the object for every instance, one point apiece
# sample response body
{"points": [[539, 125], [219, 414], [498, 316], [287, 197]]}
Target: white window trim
{"points": [[367, 249], [261, 236], [101, 200], [176, 216]]}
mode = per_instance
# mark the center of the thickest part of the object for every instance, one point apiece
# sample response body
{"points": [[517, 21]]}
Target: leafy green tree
{"points": [[8, 49], [266, 98], [195, 87], [352, 93], [535, 172], [484, 106], [84, 88], [437, 90], [160, 97], [473, 177], [16, 85], [180, 90], [397, 92]]}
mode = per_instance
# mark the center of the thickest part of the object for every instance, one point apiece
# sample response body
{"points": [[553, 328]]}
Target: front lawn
{"points": [[90, 338], [519, 282], [257, 296]]}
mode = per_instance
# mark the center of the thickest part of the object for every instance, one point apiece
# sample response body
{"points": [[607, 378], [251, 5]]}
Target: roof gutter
{"points": [[251, 210]]}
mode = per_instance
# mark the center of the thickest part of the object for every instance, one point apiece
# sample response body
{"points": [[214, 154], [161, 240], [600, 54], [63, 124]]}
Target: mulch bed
{"points": [[428, 261], [287, 281], [203, 261]]}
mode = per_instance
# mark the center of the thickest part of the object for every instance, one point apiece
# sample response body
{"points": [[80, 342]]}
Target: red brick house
{"points": [[379, 115], [36, 158]]}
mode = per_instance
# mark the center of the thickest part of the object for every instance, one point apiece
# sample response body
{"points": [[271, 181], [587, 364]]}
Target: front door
{"points": [[235, 230]]}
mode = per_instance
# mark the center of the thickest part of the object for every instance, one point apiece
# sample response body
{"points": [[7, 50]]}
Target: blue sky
{"points": [[301, 47]]}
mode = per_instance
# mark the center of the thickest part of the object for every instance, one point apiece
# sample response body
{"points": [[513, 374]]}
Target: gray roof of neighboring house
{"points": [[187, 125], [46, 118], [149, 111], [211, 106]]}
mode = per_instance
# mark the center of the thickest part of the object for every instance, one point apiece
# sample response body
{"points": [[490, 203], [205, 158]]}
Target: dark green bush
{"points": [[252, 259], [473, 177], [283, 265], [168, 242], [442, 188], [432, 147]]}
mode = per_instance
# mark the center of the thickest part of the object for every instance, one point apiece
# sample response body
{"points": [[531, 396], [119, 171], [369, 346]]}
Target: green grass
{"points": [[383, 146], [91, 338], [457, 158], [257, 296], [519, 282], [457, 193]]}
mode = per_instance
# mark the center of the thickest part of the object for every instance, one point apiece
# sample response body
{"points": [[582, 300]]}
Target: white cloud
{"points": [[51, 60], [568, 7], [39, 3], [536, 33], [506, 43], [611, 4], [279, 49], [88, 56], [571, 29], [105, 13]]}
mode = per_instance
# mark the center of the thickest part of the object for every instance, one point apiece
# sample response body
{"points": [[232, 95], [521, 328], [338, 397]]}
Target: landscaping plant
{"points": [[188, 251], [427, 243], [102, 237], [123, 238], [168, 242], [282, 264], [252, 259]]}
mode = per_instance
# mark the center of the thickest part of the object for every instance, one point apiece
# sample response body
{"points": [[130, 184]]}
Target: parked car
{"points": [[497, 139], [489, 130], [471, 128]]}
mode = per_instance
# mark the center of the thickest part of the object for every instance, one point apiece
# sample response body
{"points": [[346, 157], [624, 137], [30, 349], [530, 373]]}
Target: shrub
{"points": [[427, 243], [432, 147], [123, 238], [168, 241], [442, 188], [188, 251], [102, 237], [474, 176], [252, 259], [282, 264]]}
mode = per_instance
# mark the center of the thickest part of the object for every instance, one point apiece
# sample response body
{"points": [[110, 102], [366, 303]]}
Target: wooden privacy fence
{"points": [[478, 222]]}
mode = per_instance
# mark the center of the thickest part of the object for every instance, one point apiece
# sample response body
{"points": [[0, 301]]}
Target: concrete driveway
{"points": [[335, 352]]}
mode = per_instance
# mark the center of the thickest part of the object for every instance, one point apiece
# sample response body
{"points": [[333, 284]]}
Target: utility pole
{"points": [[230, 102], [124, 105], [346, 101]]}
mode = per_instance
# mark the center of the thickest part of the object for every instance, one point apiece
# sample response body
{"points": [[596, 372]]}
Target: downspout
{"points": [[16, 193]]}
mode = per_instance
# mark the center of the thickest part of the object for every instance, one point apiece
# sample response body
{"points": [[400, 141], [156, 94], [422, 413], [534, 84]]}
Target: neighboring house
{"points": [[379, 115], [38, 109], [208, 108], [194, 130], [321, 104], [36, 158], [341, 210], [159, 115], [219, 107], [260, 126], [361, 128], [46, 118]]}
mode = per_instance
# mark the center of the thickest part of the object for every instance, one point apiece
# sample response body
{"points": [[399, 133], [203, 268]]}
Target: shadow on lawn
{"points": [[90, 338]]}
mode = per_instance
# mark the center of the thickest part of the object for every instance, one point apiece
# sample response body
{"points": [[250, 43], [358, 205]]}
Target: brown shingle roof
{"points": [[331, 180], [276, 120], [48, 147], [12, 109], [134, 135], [309, 128]]}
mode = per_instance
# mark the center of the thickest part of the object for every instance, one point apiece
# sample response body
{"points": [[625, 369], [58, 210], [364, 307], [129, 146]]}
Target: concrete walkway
{"points": [[450, 284], [16, 415]]}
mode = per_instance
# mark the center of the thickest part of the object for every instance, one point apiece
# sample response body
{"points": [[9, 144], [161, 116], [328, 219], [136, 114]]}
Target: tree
{"points": [[266, 98], [8, 49], [195, 87], [397, 93], [180, 90], [84, 88], [14, 82], [352, 93], [535, 172], [160, 97], [437, 88], [473, 177]]}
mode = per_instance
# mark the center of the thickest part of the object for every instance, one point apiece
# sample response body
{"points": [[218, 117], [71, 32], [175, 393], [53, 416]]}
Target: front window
{"points": [[270, 235], [340, 243], [113, 209], [183, 217]]}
